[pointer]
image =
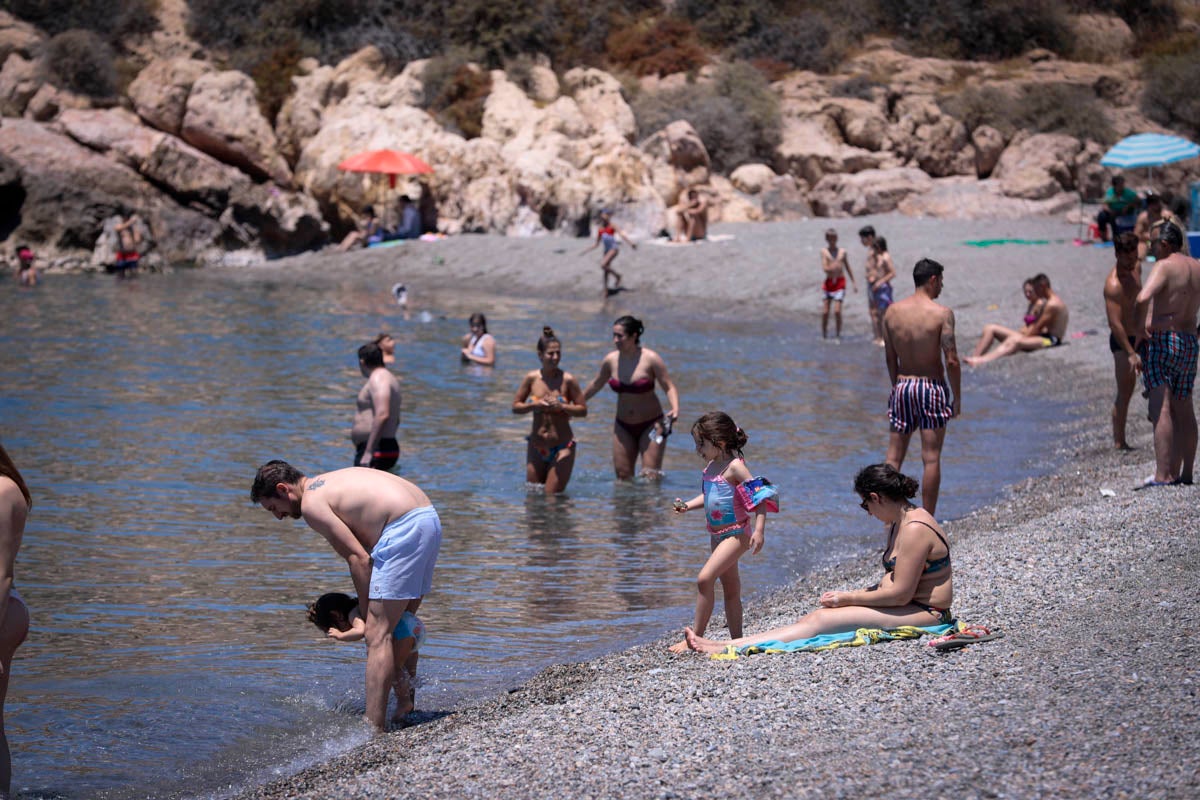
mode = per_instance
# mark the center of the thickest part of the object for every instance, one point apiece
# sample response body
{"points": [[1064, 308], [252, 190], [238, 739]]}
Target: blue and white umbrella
{"points": [[1149, 150]]}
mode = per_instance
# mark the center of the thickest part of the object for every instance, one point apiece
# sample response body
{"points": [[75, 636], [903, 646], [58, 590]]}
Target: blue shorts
{"points": [[403, 558], [881, 296], [410, 625]]}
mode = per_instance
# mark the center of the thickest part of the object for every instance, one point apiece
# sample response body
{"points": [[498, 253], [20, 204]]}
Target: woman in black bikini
{"points": [[553, 396], [916, 587], [641, 426]]}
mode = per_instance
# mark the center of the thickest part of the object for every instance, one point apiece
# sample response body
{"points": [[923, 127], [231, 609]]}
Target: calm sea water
{"points": [[170, 656]]}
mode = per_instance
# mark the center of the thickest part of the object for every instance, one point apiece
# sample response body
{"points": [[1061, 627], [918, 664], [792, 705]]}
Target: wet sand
{"points": [[1091, 693]]}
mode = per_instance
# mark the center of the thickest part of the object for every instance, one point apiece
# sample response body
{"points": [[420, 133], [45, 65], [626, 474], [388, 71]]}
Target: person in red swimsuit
{"points": [[834, 263]]}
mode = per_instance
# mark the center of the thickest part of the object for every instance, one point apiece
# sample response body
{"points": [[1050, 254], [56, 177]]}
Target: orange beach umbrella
{"points": [[386, 162]]}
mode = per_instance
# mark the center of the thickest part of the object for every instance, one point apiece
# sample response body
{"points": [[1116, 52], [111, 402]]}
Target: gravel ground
{"points": [[1091, 693]]}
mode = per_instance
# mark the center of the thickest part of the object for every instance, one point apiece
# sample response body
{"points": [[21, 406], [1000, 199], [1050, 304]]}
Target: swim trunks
{"points": [[387, 453], [1115, 346], [127, 259], [1050, 340], [881, 296], [1170, 359], [403, 558], [835, 289], [410, 625], [919, 403]]}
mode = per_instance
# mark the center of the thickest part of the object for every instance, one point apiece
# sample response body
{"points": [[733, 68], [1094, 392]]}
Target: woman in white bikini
{"points": [[479, 346]]}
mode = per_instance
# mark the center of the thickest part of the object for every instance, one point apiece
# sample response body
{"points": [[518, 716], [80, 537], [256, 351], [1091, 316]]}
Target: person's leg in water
{"points": [[837, 317], [723, 556], [406, 696], [13, 630], [382, 675], [825, 318], [822, 621], [1126, 382], [624, 452], [931, 458], [652, 452], [558, 474]]}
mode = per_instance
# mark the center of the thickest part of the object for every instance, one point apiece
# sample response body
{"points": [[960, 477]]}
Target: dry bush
{"points": [[1043, 108], [455, 91], [978, 29], [1170, 95], [656, 46], [81, 62]]}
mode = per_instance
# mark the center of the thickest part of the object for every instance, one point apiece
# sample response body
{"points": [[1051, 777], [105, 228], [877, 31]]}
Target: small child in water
{"points": [[337, 615], [728, 496]]}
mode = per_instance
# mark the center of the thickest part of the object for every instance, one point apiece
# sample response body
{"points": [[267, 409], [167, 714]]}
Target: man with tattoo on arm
{"points": [[917, 334], [388, 532]]}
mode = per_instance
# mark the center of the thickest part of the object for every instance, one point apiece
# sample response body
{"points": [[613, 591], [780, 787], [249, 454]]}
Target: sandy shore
{"points": [[1092, 692]]}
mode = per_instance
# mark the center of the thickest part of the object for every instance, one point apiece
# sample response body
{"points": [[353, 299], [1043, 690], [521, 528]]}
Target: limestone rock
{"points": [[300, 117], [1051, 153], [601, 100], [1029, 183], [622, 181], [49, 101], [1102, 38], [18, 37], [867, 192], [752, 178], [783, 198], [726, 204], [861, 122], [964, 197], [160, 91], [812, 148], [989, 144], [223, 120], [507, 109], [680, 159], [280, 223], [543, 84], [18, 84]]}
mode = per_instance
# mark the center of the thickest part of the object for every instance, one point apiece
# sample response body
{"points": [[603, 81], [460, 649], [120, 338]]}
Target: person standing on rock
{"points": [[378, 412], [389, 533], [918, 334], [1171, 296], [834, 262], [1120, 301]]}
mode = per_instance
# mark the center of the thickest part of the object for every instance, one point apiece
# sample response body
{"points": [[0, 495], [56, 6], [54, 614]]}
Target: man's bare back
{"points": [[365, 501], [915, 332], [381, 387], [1173, 289], [1053, 319]]}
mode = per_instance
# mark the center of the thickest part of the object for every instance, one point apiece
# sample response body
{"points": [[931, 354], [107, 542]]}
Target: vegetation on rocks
{"points": [[81, 62], [1044, 108], [455, 91], [1171, 80]]}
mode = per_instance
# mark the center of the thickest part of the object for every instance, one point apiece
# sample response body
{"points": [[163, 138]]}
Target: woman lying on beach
{"points": [[553, 397], [641, 426], [916, 587]]}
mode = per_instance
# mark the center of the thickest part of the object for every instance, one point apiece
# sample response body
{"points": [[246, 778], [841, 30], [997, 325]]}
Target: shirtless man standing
{"points": [[917, 334], [388, 532], [377, 414], [1171, 295], [1155, 214], [871, 269], [834, 262], [1120, 301], [1047, 330]]}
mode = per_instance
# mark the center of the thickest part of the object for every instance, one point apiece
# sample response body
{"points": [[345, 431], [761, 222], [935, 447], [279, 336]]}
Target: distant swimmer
{"points": [[479, 346], [632, 371], [1120, 303], [389, 533], [27, 274], [1168, 304], [553, 397], [918, 334], [607, 235], [836, 266], [378, 412]]}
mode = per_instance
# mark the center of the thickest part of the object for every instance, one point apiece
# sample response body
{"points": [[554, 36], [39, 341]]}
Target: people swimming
{"points": [[553, 397], [641, 426], [479, 346], [735, 505], [917, 583]]}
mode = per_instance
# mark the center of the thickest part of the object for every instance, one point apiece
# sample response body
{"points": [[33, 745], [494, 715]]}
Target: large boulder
{"points": [[812, 148], [300, 117], [601, 100], [989, 144], [160, 91], [277, 222], [1051, 154], [622, 180], [860, 122], [869, 192], [223, 119], [680, 159], [507, 109], [752, 178], [50, 101], [964, 197], [1102, 38], [933, 141], [18, 37]]}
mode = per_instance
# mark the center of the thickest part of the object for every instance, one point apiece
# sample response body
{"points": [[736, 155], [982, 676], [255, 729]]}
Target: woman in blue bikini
{"points": [[553, 397], [641, 426], [916, 587]]}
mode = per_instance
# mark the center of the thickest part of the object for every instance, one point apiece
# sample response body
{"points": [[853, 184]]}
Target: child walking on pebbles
{"points": [[336, 614], [729, 495]]}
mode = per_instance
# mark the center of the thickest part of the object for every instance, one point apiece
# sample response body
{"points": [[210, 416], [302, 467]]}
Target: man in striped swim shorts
{"points": [[918, 335]]}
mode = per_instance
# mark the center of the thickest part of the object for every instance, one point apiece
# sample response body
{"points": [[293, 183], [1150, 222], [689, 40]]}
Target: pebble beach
{"points": [[1092, 691]]}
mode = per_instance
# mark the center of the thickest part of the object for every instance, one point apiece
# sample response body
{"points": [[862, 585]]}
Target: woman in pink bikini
{"points": [[553, 397], [641, 426], [15, 503]]}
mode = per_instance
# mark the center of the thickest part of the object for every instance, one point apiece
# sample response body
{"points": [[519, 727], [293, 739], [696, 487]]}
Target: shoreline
{"points": [[1090, 693]]}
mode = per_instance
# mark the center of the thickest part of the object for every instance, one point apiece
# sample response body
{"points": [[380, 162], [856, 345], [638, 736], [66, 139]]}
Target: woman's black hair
{"points": [[885, 481], [547, 337], [720, 429], [480, 319], [632, 327], [321, 612]]}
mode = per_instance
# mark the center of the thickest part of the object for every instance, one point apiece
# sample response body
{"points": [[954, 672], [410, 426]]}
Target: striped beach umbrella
{"points": [[1149, 150]]}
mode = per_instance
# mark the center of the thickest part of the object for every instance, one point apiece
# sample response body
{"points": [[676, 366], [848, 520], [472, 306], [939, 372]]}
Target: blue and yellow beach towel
{"points": [[832, 641]]}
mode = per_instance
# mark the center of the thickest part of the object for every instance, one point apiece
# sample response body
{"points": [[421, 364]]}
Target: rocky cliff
{"points": [[188, 149]]}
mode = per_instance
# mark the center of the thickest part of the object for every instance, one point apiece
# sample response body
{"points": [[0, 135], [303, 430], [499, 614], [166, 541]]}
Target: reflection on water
{"points": [[168, 628]]}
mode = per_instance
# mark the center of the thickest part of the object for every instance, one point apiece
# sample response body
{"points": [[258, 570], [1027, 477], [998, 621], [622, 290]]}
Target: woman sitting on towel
{"points": [[916, 588]]}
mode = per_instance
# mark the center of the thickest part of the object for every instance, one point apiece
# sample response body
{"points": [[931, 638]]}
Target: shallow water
{"points": [[170, 656]]}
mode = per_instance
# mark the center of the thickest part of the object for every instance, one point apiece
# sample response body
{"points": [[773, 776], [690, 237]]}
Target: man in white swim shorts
{"points": [[388, 532]]}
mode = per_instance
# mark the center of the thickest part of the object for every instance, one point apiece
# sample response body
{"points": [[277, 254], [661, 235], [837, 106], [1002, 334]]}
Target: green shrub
{"points": [[109, 19], [978, 29], [81, 62], [1044, 108], [736, 115], [858, 86], [1170, 90]]}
